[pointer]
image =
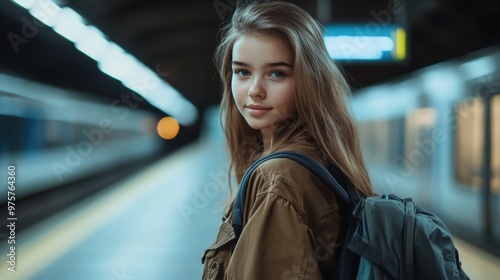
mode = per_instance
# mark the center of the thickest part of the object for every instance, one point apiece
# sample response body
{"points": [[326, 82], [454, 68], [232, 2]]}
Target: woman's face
{"points": [[262, 81]]}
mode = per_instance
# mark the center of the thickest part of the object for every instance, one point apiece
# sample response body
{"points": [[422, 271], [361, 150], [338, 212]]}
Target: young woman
{"points": [[283, 92]]}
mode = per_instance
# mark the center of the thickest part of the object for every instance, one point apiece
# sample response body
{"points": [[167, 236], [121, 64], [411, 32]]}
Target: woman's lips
{"points": [[257, 111]]}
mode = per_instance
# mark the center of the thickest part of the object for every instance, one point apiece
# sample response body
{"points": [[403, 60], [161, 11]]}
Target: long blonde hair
{"points": [[320, 90]]}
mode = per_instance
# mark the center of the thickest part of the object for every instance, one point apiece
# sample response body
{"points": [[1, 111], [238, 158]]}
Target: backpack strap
{"points": [[347, 197], [409, 223]]}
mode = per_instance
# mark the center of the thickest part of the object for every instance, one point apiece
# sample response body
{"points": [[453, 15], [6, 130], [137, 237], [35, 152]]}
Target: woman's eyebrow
{"points": [[240, 63], [277, 64], [267, 65]]}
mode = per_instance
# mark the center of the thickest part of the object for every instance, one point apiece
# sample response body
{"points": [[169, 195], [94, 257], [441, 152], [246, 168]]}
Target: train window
{"points": [[419, 125], [495, 143], [52, 134], [469, 143], [373, 135], [382, 141], [469, 117], [396, 140], [12, 127]]}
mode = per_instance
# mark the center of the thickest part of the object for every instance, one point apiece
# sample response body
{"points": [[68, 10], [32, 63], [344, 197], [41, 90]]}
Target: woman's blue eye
{"points": [[278, 74], [241, 72]]}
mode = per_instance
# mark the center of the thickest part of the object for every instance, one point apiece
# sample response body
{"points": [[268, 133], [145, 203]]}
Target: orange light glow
{"points": [[168, 128]]}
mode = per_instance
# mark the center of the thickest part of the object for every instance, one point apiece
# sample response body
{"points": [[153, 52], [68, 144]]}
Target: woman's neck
{"points": [[267, 138]]}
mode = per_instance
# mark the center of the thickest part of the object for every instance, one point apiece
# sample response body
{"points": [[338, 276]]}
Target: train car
{"points": [[434, 135], [54, 136]]}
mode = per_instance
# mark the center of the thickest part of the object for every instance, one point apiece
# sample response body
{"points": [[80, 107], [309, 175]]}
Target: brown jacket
{"points": [[292, 229]]}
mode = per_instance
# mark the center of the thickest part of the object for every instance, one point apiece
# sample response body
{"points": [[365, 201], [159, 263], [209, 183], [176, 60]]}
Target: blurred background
{"points": [[111, 150]]}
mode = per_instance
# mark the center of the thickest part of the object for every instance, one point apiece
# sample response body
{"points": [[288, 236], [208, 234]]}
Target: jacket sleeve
{"points": [[276, 242]]}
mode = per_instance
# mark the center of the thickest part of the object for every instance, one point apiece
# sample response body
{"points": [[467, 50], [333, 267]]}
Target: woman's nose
{"points": [[256, 90]]}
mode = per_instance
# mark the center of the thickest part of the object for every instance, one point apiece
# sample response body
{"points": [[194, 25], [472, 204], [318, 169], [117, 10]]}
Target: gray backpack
{"points": [[387, 237]]}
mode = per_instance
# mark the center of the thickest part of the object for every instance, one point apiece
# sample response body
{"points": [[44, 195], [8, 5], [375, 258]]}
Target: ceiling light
{"points": [[112, 59], [69, 24]]}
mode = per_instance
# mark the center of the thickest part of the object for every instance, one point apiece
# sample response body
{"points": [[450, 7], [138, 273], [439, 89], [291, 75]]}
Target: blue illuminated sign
{"points": [[365, 42]]}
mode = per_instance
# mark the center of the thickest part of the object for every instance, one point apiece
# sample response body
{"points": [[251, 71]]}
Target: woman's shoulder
{"points": [[283, 166], [291, 180], [289, 167]]}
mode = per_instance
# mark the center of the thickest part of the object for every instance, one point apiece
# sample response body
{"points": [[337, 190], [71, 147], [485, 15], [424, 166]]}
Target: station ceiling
{"points": [[177, 39]]}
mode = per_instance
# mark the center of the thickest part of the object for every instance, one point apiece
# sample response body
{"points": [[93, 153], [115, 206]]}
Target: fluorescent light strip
{"points": [[69, 24], [45, 11], [358, 47], [112, 59], [93, 44], [27, 4]]}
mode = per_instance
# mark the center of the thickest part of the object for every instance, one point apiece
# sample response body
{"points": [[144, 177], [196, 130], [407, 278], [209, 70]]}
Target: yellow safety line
{"points": [[86, 218]]}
